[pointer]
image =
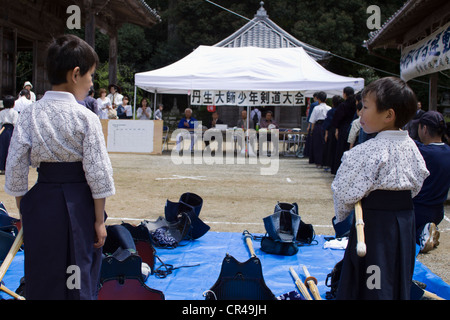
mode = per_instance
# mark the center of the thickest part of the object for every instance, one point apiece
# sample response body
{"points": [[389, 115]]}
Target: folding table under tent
{"points": [[247, 69]]}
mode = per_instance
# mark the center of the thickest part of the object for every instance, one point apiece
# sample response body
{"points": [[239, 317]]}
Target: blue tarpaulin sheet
{"points": [[197, 266]]}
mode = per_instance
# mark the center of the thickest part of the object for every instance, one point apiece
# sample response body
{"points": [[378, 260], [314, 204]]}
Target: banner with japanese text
{"points": [[429, 55], [247, 98]]}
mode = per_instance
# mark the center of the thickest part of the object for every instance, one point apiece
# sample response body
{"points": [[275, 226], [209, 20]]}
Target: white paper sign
{"points": [[130, 136], [247, 98], [429, 55]]}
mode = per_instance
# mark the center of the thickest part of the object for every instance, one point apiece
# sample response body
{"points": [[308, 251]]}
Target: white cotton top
{"points": [[103, 107], [8, 115], [58, 129], [390, 161], [319, 113]]}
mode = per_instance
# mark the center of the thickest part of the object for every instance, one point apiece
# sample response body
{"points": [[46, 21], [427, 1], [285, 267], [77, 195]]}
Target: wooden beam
{"points": [[34, 77], [1, 61], [113, 52], [432, 99], [14, 64], [89, 27], [427, 26]]}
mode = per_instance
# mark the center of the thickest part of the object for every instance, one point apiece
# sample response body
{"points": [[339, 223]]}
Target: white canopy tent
{"points": [[245, 68]]}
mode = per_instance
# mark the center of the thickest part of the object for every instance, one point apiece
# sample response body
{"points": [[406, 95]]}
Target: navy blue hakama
{"points": [[317, 144], [58, 221], [385, 273], [5, 139]]}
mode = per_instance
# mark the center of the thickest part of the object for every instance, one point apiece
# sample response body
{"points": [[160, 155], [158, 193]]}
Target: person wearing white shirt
{"points": [[115, 95], [27, 85], [8, 119], [23, 101], [144, 112], [158, 112], [103, 104], [317, 118]]}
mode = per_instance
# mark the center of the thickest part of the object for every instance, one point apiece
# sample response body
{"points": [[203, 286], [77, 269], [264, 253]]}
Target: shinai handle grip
{"points": [[359, 223], [312, 284], [248, 241], [300, 285]]}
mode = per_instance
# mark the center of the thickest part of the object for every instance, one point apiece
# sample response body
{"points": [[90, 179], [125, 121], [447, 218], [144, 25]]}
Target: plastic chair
{"points": [[292, 140]]}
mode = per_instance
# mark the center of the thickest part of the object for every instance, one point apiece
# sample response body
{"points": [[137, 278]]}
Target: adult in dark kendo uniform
{"points": [[63, 214], [342, 120]]}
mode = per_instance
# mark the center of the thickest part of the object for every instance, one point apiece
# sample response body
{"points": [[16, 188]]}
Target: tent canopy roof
{"points": [[245, 68]]}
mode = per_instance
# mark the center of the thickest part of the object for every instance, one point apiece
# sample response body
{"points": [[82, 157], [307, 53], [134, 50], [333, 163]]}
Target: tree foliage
{"points": [[338, 26]]}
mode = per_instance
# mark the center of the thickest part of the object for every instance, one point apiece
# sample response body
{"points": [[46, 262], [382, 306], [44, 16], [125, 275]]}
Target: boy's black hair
{"points": [[322, 96], [350, 93], [25, 92], [66, 53], [393, 93], [336, 100], [435, 132], [8, 102]]}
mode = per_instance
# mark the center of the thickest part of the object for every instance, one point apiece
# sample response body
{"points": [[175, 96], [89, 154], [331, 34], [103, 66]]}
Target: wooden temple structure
{"points": [[421, 30], [262, 32], [29, 25]]}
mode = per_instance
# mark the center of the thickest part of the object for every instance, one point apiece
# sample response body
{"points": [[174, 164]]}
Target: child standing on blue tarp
{"points": [[384, 173], [63, 214]]}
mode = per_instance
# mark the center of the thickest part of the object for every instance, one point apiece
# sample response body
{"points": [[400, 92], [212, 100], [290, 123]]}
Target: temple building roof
{"points": [[264, 33], [415, 20]]}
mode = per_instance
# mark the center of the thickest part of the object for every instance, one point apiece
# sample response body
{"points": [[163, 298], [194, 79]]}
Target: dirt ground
{"points": [[235, 196]]}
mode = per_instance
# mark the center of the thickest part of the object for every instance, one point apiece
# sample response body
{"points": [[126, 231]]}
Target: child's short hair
{"points": [[25, 92], [393, 93], [8, 102], [336, 100], [66, 53], [322, 96], [435, 123]]}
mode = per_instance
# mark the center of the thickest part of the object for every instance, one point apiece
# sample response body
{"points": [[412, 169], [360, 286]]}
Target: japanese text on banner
{"points": [[247, 98], [429, 55]]}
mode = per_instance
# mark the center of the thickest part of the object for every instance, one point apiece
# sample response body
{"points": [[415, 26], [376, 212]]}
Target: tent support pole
{"points": [[247, 139], [134, 104], [154, 105]]}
